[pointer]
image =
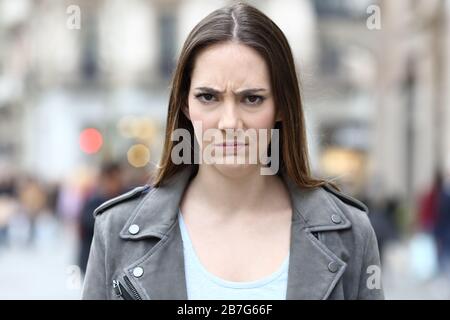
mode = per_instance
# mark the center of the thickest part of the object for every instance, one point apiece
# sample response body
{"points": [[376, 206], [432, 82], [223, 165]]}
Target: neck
{"points": [[234, 193]]}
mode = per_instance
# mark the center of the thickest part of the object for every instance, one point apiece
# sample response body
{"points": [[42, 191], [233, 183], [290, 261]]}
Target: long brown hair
{"points": [[247, 25]]}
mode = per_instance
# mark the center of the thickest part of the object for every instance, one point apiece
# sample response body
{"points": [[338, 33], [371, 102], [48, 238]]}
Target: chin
{"points": [[236, 170]]}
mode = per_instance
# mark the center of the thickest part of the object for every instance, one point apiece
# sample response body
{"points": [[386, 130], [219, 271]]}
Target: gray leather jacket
{"points": [[137, 250]]}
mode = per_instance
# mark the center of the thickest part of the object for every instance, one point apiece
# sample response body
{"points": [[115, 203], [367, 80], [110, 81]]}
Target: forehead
{"points": [[232, 64]]}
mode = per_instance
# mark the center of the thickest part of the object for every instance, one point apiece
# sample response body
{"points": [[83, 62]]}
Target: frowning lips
{"points": [[231, 144]]}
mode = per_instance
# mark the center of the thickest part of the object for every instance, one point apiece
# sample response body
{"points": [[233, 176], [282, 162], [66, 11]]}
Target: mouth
{"points": [[230, 144]]}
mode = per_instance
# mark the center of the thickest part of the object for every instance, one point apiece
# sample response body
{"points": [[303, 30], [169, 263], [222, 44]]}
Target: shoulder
{"points": [[345, 199], [354, 210], [123, 202]]}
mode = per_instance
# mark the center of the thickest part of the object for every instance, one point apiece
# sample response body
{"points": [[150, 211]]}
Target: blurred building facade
{"points": [[387, 93]]}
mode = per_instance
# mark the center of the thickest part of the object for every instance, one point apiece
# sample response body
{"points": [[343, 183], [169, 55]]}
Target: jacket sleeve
{"points": [[370, 284], [94, 286]]}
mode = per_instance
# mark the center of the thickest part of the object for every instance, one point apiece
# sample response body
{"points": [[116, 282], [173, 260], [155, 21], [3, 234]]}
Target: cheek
{"points": [[265, 119], [199, 116], [196, 110], [206, 118]]}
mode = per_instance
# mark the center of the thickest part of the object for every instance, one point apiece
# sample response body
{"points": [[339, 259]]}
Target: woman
{"points": [[211, 229]]}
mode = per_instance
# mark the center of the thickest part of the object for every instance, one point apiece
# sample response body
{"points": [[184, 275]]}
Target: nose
{"points": [[230, 117]]}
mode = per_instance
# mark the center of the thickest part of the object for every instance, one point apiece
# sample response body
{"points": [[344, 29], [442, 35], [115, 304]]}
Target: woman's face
{"points": [[230, 92]]}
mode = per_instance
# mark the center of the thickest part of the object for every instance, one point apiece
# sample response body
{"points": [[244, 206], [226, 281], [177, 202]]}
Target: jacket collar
{"points": [[158, 210], [313, 268]]}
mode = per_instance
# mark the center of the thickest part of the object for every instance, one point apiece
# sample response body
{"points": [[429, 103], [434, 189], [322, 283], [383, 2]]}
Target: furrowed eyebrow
{"points": [[251, 91], [242, 92], [209, 90]]}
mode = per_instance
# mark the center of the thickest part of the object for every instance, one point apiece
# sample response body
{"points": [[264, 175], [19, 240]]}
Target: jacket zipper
{"points": [[120, 290], [136, 294]]}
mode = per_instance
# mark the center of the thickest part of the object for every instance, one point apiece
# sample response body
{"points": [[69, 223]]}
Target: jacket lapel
{"points": [[313, 269], [163, 277]]}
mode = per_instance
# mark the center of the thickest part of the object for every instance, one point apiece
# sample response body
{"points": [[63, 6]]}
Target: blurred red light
{"points": [[91, 140]]}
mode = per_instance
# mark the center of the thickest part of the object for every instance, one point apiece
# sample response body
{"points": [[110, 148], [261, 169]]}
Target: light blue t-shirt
{"points": [[201, 284]]}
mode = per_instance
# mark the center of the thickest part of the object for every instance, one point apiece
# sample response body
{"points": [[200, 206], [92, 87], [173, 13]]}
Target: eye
{"points": [[254, 99], [205, 97]]}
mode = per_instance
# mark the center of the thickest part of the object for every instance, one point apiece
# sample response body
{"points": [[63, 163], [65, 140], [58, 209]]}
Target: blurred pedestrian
{"points": [[383, 218], [109, 185], [7, 203], [429, 205], [33, 202], [442, 228]]}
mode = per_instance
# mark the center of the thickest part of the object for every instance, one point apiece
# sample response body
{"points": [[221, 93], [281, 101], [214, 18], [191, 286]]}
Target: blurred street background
{"points": [[84, 90]]}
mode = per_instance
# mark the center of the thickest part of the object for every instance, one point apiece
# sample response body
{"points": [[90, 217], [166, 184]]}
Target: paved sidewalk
{"points": [[44, 270], [412, 276]]}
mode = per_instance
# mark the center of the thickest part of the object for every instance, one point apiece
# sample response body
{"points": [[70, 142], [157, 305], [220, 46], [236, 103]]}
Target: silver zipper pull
{"points": [[116, 288]]}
